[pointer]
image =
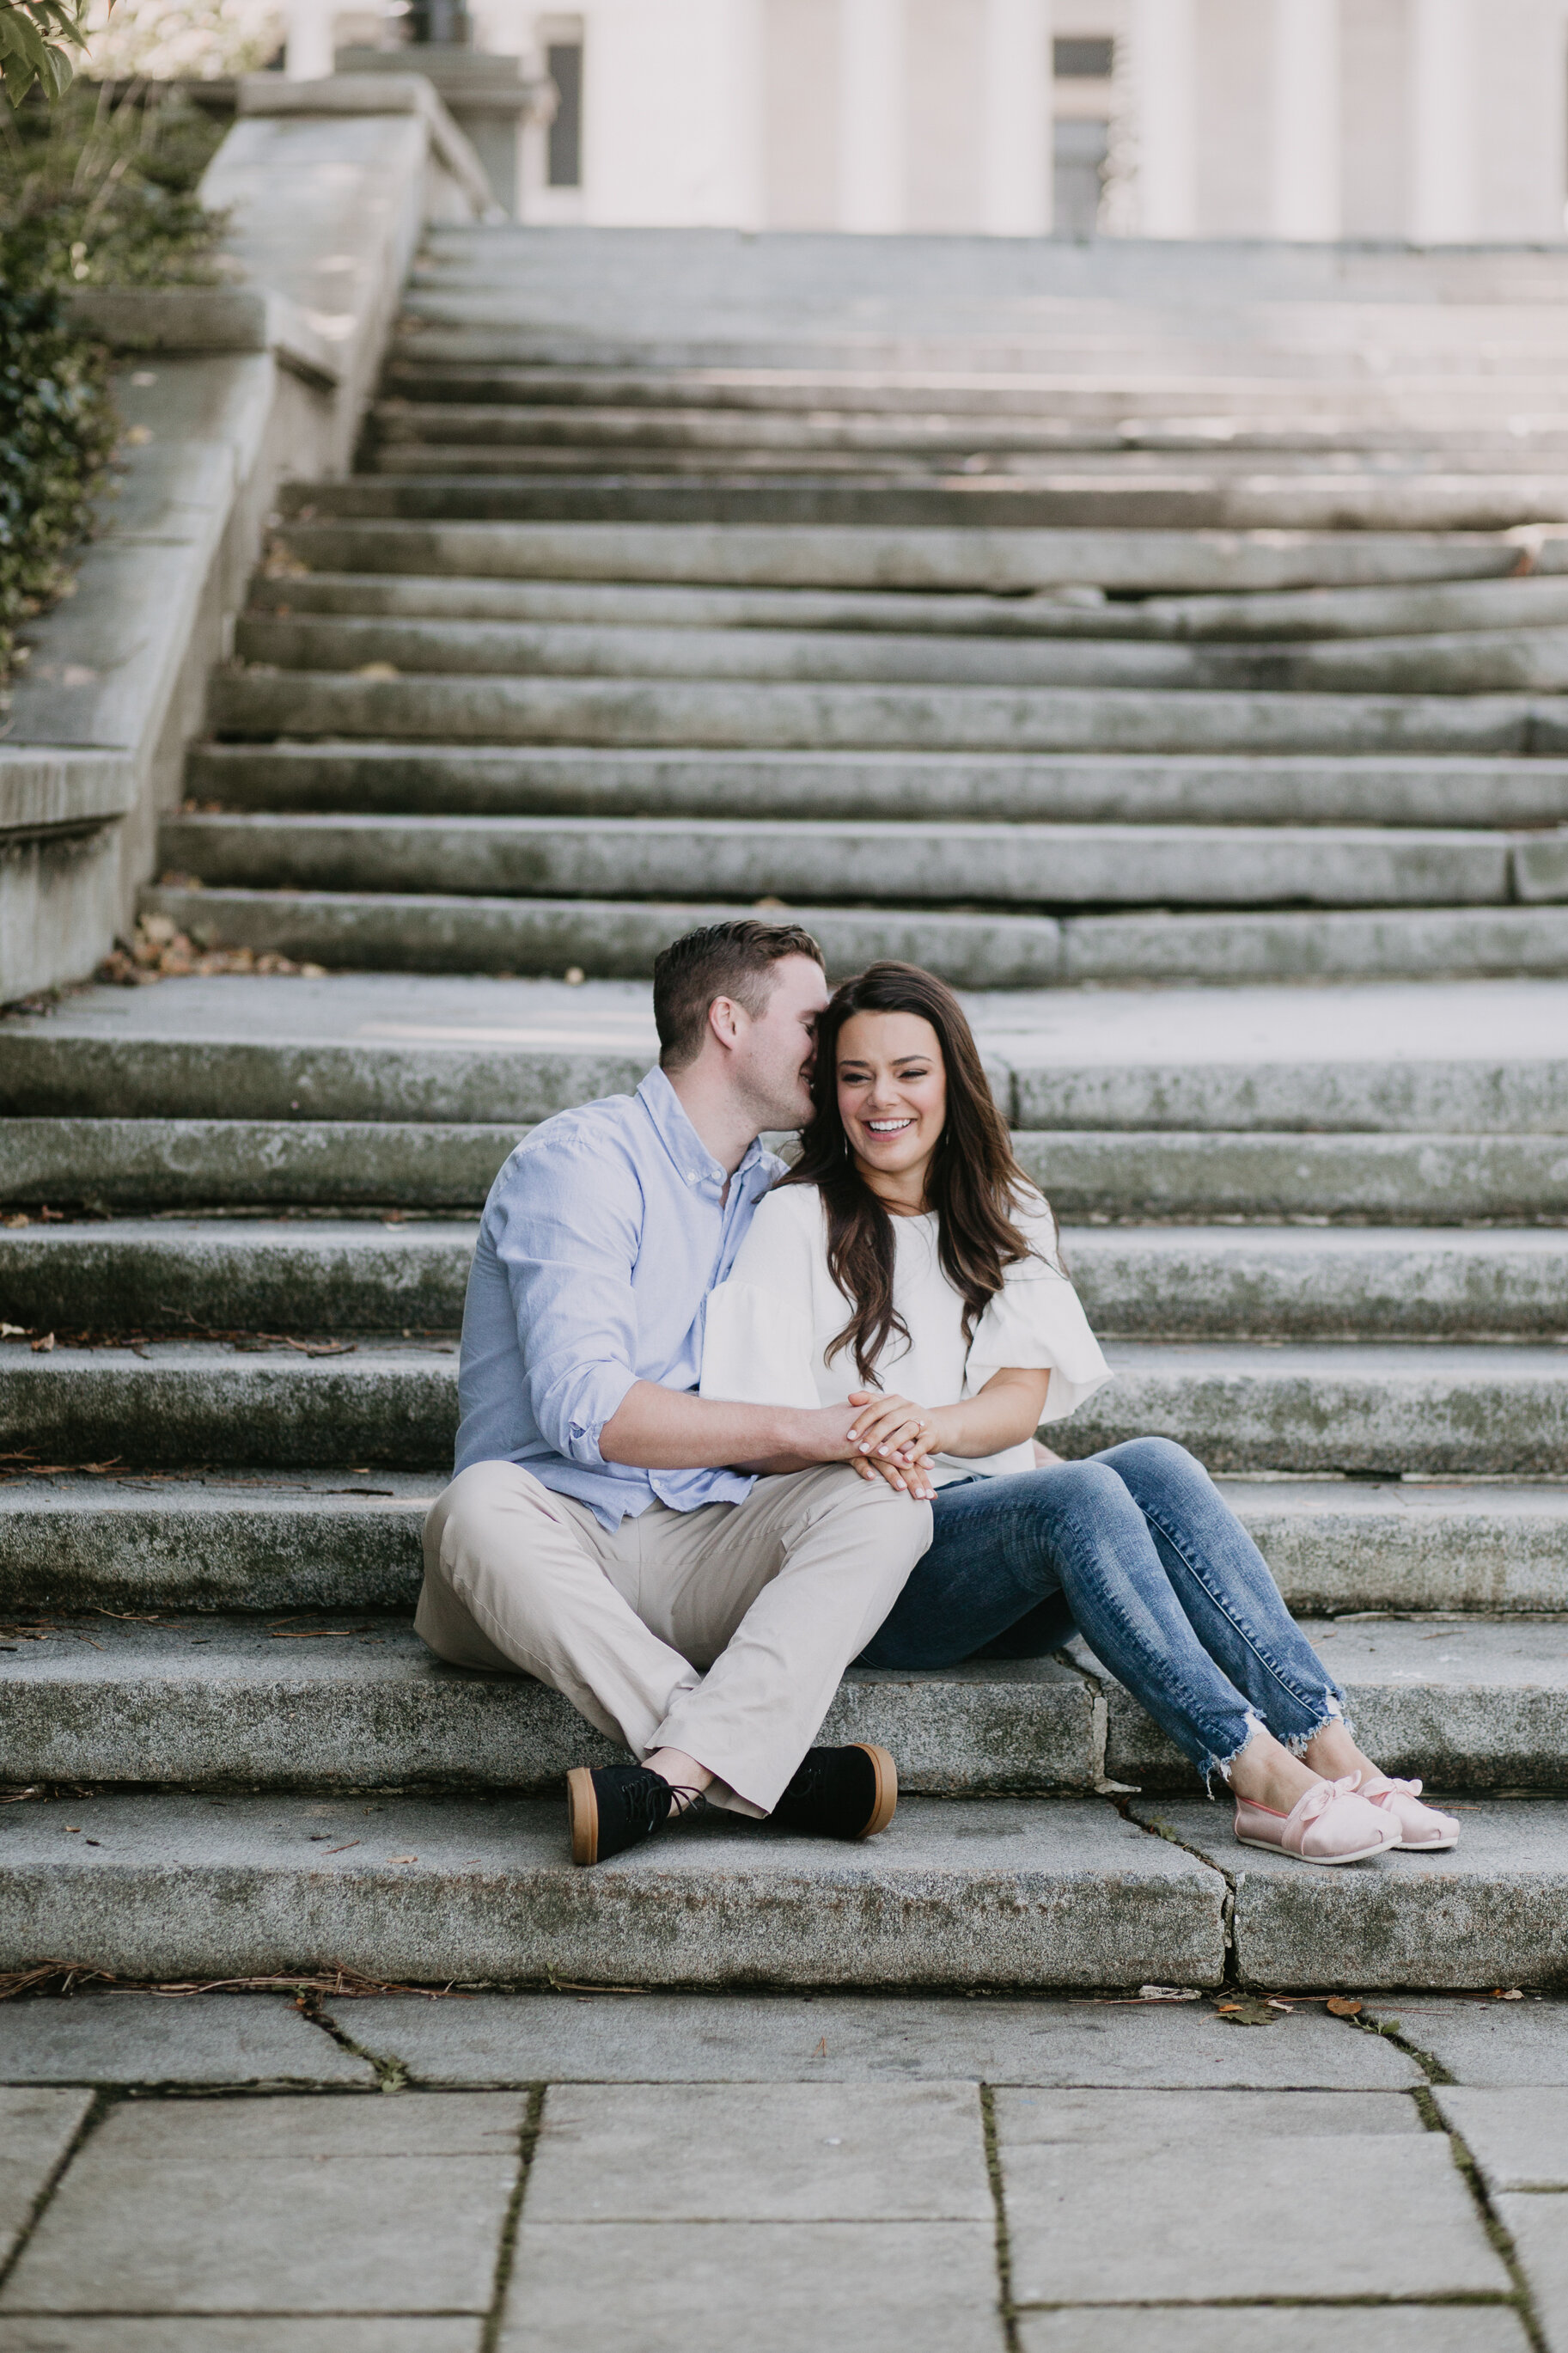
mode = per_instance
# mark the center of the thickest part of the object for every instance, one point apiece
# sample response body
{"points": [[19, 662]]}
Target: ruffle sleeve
{"points": [[1035, 1320]]}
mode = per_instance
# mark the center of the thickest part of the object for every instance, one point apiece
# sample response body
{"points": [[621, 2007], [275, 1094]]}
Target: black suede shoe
{"points": [[613, 1806], [847, 1793]]}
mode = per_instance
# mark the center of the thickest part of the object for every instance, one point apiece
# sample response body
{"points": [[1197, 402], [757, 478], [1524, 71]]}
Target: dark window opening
{"points": [[1083, 60], [564, 163]]}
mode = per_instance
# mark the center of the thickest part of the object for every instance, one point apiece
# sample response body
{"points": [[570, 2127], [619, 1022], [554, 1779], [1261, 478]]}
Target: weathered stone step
{"points": [[355, 1702], [744, 714], [1057, 1890], [1043, 1892], [1480, 661], [1078, 610], [1380, 1060], [306, 1275], [1180, 500], [345, 1540], [1454, 1921], [1374, 1407], [333, 537], [1467, 1704], [1120, 406], [607, 430], [1115, 1173], [1220, 788], [424, 932], [926, 861]]}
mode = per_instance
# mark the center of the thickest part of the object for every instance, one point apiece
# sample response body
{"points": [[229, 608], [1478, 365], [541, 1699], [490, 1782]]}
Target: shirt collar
{"points": [[680, 1139]]}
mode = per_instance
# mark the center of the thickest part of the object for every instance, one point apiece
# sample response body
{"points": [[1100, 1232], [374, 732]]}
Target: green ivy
{"points": [[98, 189]]}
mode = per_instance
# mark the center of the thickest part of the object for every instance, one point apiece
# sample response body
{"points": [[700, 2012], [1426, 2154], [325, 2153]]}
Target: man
{"points": [[693, 1576]]}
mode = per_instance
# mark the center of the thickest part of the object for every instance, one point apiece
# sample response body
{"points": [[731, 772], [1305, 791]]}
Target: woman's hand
{"points": [[891, 1427]]}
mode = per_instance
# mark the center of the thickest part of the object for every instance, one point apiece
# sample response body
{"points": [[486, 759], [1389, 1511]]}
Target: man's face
{"points": [[778, 1046]]}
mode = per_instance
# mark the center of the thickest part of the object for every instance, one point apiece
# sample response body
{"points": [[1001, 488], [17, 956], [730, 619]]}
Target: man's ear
{"points": [[726, 1019]]}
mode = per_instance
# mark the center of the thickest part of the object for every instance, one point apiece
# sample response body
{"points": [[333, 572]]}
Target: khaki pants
{"points": [[721, 1632]]}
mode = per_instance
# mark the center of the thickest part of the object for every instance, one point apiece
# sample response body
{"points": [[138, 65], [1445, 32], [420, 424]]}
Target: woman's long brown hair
{"points": [[973, 1183]]}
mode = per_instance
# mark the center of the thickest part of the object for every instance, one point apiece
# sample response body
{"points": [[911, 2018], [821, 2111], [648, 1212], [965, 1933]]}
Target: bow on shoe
{"points": [[1319, 1801]]}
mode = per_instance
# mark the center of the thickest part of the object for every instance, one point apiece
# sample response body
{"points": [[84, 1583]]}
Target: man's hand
{"points": [[657, 1428]]}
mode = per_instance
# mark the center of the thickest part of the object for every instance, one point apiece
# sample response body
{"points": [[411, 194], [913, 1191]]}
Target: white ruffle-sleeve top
{"points": [[769, 1329]]}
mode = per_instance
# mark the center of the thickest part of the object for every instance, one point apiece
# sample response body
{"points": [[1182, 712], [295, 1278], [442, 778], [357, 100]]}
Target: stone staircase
{"points": [[1167, 646]]}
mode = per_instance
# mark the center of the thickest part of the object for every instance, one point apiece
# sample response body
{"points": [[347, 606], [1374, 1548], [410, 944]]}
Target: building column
{"points": [[307, 52], [1304, 162], [1442, 122], [872, 106], [1015, 118], [1163, 40]]}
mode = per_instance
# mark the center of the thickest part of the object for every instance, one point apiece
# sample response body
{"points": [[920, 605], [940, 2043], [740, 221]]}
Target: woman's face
{"points": [[893, 1092]]}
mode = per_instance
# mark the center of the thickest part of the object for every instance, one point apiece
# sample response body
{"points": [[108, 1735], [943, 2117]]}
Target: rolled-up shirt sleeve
{"points": [[568, 1242]]}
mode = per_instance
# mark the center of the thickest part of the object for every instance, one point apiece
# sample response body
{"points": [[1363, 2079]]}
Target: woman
{"points": [[906, 1266]]}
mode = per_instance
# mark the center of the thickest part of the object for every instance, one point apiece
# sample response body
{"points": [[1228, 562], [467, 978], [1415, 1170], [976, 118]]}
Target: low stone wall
{"points": [[222, 392]]}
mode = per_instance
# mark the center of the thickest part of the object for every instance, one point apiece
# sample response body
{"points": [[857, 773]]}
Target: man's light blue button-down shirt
{"points": [[601, 1240]]}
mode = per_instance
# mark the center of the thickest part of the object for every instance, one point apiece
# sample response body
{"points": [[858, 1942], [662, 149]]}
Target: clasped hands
{"points": [[895, 1440]]}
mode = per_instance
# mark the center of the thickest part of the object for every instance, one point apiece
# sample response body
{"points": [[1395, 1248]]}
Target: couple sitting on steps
{"points": [[729, 1428]]}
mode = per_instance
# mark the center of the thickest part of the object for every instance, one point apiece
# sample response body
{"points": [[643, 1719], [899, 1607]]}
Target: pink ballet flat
{"points": [[1422, 1828], [1329, 1824]]}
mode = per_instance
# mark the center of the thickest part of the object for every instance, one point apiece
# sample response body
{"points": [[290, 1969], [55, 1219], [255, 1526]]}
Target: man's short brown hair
{"points": [[721, 960]]}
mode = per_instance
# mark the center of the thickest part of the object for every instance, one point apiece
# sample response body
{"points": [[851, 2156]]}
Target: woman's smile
{"points": [[892, 1100]]}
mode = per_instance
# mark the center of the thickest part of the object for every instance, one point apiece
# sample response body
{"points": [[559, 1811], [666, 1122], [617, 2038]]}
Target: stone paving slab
{"points": [[760, 2153], [1341, 2329], [1095, 2218], [112, 2037], [957, 1891], [1539, 2229], [1037, 2117], [1488, 2042], [707, 2287], [1519, 2137], [832, 2038], [1493, 1911], [343, 2333], [36, 2130], [382, 2205]]}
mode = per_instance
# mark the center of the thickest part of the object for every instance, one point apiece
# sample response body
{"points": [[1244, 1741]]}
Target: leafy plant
{"points": [[37, 37], [99, 189], [55, 431]]}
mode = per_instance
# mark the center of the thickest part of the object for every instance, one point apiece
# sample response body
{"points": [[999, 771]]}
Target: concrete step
{"points": [[671, 426], [166, 1275], [925, 861], [744, 715], [1057, 1890], [425, 933], [1119, 407], [349, 1540], [1395, 1063], [1180, 499], [1043, 1892], [1477, 662], [1106, 1174], [1075, 610], [350, 1701], [335, 535], [1374, 1407], [440, 779]]}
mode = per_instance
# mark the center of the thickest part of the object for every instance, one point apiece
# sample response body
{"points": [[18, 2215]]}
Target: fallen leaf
{"points": [[1340, 2005], [13, 1331], [403, 1858], [1512, 1993], [44, 1346], [1167, 1993]]}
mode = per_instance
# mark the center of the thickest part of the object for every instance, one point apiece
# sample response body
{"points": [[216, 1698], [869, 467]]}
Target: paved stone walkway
{"points": [[223, 2174]]}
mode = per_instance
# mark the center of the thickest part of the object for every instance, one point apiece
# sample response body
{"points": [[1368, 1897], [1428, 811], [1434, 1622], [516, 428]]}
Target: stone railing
{"points": [[223, 391]]}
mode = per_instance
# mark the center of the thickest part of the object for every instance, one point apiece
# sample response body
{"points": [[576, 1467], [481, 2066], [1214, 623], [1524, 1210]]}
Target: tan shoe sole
{"points": [[886, 1788], [583, 1812]]}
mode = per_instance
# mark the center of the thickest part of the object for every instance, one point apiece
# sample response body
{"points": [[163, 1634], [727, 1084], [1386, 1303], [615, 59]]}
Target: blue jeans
{"points": [[1137, 1549]]}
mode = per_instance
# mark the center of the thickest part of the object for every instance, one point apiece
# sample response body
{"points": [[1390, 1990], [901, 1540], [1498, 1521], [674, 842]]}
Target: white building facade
{"points": [[1437, 121]]}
